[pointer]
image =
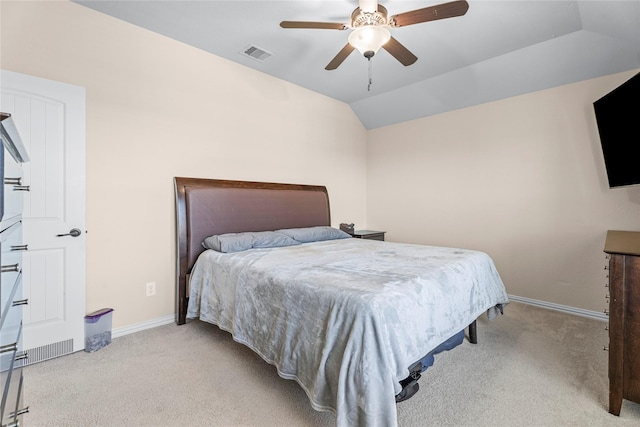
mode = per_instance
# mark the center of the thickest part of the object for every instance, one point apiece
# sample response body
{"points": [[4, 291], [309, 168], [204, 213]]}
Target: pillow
{"points": [[237, 242], [314, 234]]}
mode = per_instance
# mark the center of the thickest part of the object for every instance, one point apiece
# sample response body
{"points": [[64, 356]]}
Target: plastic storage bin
{"points": [[97, 329]]}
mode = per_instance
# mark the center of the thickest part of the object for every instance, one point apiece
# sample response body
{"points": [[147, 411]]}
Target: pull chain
{"points": [[370, 79], [369, 54]]}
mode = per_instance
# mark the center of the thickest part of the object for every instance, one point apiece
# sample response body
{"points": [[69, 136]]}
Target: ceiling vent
{"points": [[256, 53]]}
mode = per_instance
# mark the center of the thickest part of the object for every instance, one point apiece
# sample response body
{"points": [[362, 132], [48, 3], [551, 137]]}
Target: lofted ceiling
{"points": [[498, 49]]}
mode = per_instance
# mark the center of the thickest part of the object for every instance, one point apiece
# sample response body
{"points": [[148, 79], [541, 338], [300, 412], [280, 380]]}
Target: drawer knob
{"points": [[9, 347], [13, 181], [10, 268], [606, 348], [20, 302], [23, 356], [19, 412], [19, 248], [606, 311]]}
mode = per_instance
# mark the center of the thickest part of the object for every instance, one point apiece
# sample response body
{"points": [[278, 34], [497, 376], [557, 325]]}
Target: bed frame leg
{"points": [[473, 333], [181, 300]]}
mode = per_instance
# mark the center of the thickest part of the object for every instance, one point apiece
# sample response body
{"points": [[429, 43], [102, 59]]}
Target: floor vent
{"points": [[46, 352], [255, 53]]}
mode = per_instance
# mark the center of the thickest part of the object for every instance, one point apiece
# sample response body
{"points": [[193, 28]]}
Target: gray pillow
{"points": [[314, 234], [236, 242]]}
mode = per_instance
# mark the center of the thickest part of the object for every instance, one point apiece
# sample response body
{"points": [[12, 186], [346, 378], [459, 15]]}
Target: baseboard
{"points": [[165, 320], [559, 307], [137, 327]]}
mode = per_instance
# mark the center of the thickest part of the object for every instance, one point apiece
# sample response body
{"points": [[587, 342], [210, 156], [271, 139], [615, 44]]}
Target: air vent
{"points": [[46, 352], [256, 53]]}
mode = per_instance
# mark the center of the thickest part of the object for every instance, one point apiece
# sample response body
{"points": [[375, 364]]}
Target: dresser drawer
{"points": [[11, 247], [13, 188], [10, 278], [12, 409], [12, 315], [8, 354], [10, 234], [11, 381]]}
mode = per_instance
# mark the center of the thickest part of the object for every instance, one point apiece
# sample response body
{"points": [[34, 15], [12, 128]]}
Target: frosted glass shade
{"points": [[369, 38]]}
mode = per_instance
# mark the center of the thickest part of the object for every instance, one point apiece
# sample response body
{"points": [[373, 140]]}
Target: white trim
{"points": [[165, 320], [137, 327], [563, 308]]}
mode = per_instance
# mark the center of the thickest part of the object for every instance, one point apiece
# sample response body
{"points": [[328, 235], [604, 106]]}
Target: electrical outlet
{"points": [[151, 289]]}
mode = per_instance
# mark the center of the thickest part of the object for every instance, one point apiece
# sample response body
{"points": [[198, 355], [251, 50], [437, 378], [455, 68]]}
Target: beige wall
{"points": [[157, 109], [522, 179]]}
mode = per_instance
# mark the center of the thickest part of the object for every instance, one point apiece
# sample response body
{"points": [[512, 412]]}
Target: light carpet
{"points": [[531, 367]]}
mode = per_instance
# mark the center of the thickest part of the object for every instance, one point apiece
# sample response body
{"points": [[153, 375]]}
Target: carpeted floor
{"points": [[531, 367]]}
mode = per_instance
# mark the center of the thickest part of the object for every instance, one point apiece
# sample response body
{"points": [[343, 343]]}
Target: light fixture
{"points": [[368, 39]]}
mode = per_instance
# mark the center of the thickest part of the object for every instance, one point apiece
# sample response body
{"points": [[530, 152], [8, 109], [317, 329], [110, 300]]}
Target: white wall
{"points": [[156, 109], [522, 179]]}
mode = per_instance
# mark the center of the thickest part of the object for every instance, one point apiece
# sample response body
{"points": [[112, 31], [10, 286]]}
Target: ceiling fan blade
{"points": [[398, 51], [340, 57], [313, 25], [431, 13]]}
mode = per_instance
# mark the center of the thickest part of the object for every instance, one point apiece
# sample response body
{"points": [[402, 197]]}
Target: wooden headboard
{"points": [[205, 207]]}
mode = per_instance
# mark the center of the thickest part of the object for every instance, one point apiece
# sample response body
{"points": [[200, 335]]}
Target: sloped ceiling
{"points": [[498, 49]]}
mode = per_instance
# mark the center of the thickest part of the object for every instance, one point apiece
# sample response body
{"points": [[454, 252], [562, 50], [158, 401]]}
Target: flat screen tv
{"points": [[618, 118]]}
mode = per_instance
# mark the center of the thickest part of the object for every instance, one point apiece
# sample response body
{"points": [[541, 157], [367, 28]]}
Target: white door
{"points": [[50, 117]]}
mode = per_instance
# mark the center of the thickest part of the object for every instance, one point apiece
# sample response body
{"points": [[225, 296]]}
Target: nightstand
{"points": [[369, 234]]}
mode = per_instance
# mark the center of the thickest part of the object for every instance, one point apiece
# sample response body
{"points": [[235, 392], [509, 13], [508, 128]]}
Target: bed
{"points": [[353, 321]]}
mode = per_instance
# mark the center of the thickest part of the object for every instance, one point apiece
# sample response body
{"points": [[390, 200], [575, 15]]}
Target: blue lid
{"points": [[93, 316]]}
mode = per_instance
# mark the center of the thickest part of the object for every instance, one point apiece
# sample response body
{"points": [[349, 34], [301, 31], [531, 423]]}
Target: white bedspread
{"points": [[345, 318]]}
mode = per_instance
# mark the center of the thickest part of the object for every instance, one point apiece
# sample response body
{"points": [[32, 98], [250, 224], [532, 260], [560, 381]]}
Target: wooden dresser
{"points": [[12, 155], [623, 248]]}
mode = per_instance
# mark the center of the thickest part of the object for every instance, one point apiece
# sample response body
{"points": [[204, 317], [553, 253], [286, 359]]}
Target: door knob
{"points": [[74, 232]]}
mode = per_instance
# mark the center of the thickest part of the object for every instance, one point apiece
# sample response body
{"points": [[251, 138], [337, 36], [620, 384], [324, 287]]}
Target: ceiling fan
{"points": [[371, 24]]}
